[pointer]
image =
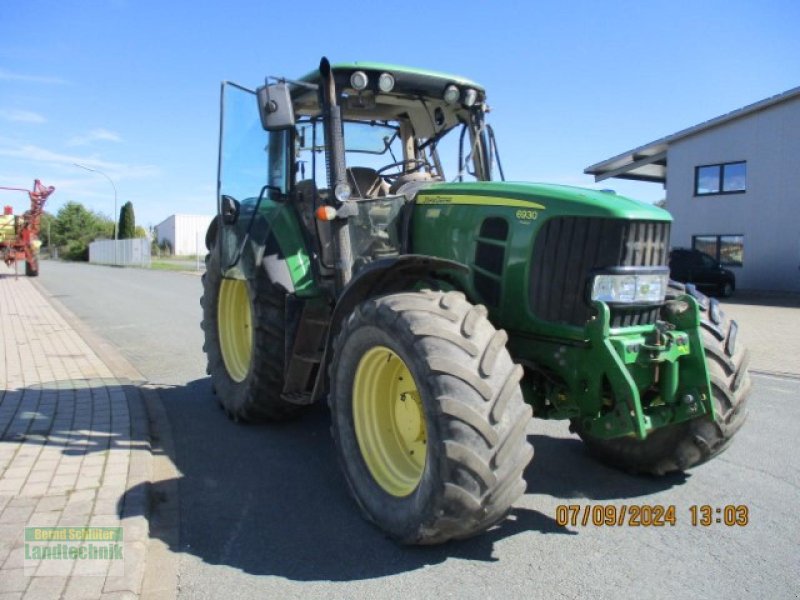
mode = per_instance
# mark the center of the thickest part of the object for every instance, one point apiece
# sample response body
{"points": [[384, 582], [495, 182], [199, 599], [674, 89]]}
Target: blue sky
{"points": [[131, 87]]}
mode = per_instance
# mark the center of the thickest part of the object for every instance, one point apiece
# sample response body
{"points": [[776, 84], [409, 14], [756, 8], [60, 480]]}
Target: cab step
{"points": [[304, 348]]}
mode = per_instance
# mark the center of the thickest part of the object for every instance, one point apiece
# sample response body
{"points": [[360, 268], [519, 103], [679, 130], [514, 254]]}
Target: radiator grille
{"points": [[568, 249]]}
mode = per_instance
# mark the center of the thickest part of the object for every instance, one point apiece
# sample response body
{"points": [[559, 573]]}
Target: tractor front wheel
{"points": [[428, 417], [684, 445]]}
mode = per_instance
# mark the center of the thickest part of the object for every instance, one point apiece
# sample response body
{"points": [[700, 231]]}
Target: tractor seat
{"points": [[366, 183], [418, 177]]}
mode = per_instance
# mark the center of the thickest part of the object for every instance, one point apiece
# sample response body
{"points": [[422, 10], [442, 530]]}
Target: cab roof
{"points": [[417, 94], [404, 73]]}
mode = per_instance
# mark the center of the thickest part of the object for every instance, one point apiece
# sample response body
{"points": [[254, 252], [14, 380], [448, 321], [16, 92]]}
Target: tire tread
{"points": [[484, 447]]}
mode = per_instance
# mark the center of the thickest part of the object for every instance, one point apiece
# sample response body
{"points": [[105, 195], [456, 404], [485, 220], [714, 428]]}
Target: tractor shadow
{"points": [[269, 499], [562, 468]]}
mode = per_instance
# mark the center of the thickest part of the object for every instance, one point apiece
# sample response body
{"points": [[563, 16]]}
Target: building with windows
{"points": [[733, 188]]}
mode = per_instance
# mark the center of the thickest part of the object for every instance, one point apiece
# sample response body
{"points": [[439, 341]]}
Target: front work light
{"points": [[630, 288], [470, 96], [451, 94], [386, 82], [359, 80]]}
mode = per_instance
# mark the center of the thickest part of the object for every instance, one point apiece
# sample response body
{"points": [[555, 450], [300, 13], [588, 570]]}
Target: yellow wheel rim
{"points": [[235, 328], [389, 421]]}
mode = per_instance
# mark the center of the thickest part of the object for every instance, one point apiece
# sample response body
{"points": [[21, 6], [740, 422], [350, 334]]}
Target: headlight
{"points": [[633, 288], [342, 192]]}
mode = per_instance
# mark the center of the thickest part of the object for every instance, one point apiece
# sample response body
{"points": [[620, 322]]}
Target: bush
{"points": [[76, 251], [75, 227]]}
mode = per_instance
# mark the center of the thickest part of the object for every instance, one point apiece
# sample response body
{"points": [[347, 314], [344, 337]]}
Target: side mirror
{"points": [[275, 107], [229, 210]]}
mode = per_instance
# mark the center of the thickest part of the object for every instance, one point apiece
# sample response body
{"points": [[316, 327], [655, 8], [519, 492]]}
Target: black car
{"points": [[693, 266]]}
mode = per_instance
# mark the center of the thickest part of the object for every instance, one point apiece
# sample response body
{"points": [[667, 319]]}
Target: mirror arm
{"points": [[304, 84]]}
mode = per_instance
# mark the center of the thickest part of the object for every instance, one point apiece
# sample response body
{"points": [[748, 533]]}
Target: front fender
{"points": [[389, 275], [382, 276]]}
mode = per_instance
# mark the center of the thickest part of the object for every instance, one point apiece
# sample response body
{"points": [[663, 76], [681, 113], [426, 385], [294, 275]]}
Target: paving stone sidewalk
{"points": [[74, 453], [770, 326]]}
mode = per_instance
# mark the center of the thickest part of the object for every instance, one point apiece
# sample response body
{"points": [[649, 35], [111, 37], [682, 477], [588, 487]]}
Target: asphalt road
{"points": [[265, 511]]}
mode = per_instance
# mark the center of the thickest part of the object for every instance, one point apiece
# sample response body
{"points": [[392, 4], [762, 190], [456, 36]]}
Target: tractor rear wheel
{"points": [[691, 443], [243, 322], [428, 417], [32, 267]]}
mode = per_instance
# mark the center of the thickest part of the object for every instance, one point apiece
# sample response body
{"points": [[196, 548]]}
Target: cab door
{"points": [[251, 182]]}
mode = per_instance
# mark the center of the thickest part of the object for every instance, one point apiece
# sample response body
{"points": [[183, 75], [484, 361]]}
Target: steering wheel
{"points": [[400, 165]]}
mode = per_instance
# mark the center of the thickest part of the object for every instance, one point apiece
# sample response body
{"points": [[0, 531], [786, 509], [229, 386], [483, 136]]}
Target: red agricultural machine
{"points": [[19, 235]]}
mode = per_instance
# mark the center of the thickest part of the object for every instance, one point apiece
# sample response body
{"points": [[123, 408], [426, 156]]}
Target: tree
{"points": [[127, 222], [662, 203], [75, 227]]}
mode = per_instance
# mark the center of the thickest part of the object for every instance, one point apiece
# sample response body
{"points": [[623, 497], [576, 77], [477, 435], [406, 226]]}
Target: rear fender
{"points": [[275, 242]]}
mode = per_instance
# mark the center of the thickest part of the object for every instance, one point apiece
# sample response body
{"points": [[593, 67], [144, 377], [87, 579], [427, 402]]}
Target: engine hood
{"points": [[547, 199]]}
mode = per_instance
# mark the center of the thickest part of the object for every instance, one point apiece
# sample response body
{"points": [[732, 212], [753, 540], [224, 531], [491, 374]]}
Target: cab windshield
{"points": [[367, 144], [378, 145]]}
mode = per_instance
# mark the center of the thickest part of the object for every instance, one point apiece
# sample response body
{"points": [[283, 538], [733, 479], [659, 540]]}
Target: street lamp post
{"points": [[115, 216]]}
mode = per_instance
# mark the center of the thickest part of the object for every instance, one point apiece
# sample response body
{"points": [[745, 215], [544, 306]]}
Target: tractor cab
{"points": [[395, 121], [396, 131]]}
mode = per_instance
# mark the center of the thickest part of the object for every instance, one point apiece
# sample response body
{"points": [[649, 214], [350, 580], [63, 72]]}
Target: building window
{"points": [[727, 250], [727, 178]]}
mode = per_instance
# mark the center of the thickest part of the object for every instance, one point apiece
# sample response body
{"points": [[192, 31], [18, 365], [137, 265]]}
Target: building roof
{"points": [[649, 162]]}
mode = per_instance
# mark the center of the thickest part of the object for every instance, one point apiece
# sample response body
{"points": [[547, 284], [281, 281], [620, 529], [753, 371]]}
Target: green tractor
{"points": [[367, 250]]}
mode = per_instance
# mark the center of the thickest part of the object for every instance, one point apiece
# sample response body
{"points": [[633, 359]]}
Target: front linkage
{"points": [[668, 366], [628, 383]]}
